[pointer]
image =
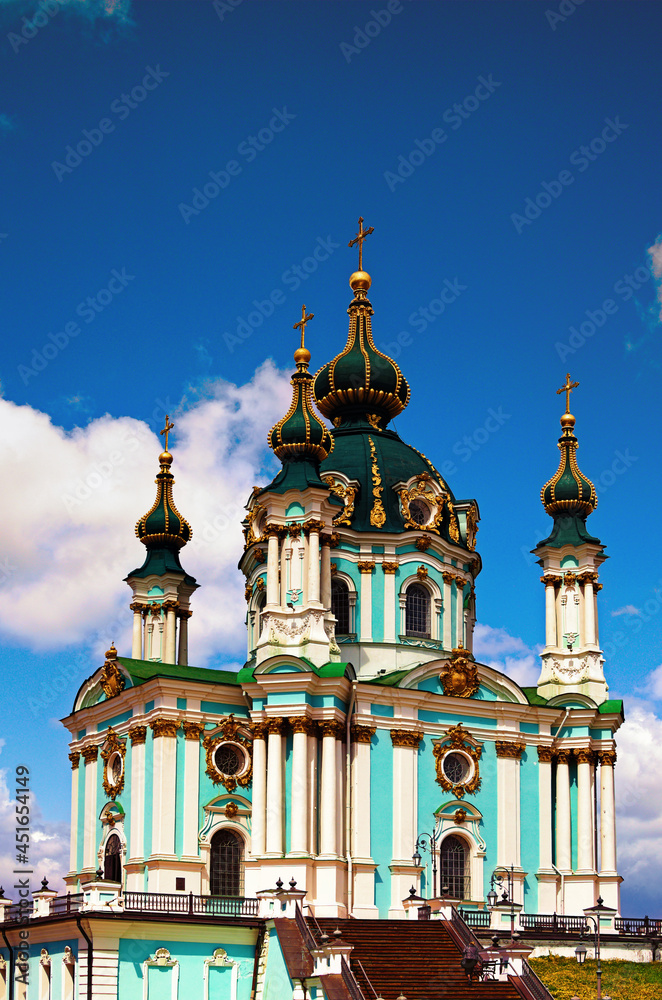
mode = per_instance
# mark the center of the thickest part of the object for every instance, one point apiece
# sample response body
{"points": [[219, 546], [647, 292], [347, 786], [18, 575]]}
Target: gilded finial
{"points": [[302, 354], [165, 458], [567, 389], [360, 281]]}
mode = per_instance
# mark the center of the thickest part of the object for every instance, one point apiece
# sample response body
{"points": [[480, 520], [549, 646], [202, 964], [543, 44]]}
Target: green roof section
{"points": [[613, 706], [144, 670], [388, 680], [158, 562], [247, 674], [532, 696], [568, 530], [296, 475]]}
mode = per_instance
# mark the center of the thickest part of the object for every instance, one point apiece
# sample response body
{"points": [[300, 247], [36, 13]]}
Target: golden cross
{"points": [[359, 238], [567, 389], [168, 427], [301, 325]]}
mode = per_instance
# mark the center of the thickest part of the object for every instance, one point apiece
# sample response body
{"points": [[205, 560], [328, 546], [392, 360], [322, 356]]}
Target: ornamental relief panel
{"points": [[347, 494], [229, 755], [459, 675], [113, 754], [422, 508]]}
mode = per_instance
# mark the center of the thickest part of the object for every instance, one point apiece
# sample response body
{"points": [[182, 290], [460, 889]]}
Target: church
{"points": [[362, 756]]}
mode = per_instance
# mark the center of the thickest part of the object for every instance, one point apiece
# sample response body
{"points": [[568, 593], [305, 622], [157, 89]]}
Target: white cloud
{"points": [[655, 254], [49, 843], [639, 819], [75, 498], [507, 653], [627, 609], [653, 684]]}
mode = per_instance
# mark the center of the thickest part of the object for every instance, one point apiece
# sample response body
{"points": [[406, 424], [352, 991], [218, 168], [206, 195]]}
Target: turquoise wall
{"points": [[378, 605], [277, 982], [381, 816], [149, 793], [191, 956], [529, 822]]}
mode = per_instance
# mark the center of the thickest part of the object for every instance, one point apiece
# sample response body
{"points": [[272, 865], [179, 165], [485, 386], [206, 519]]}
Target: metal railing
{"points": [[71, 903], [475, 918], [306, 932], [350, 982], [532, 983], [207, 906], [552, 923], [638, 925], [462, 930], [17, 913]]}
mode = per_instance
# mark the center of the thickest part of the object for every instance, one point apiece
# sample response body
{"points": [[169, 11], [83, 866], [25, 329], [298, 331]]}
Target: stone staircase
{"points": [[416, 959]]}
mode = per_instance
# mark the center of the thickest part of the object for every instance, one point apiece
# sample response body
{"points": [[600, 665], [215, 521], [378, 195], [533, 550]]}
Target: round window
{"points": [[419, 512], [115, 768], [229, 759], [456, 768]]}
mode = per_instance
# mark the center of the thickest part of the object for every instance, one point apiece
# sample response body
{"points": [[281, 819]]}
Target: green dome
{"points": [[163, 527], [301, 434], [568, 492], [361, 381]]}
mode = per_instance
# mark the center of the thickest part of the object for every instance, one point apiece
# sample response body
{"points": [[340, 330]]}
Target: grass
{"points": [[621, 980]]}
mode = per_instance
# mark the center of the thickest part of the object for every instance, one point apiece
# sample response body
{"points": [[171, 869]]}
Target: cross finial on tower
{"points": [[166, 430], [567, 389], [359, 238], [301, 325]]}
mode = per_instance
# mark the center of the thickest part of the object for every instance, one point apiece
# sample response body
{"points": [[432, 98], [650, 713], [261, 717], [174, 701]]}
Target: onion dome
{"points": [[568, 492], [163, 527], [361, 381], [301, 434]]}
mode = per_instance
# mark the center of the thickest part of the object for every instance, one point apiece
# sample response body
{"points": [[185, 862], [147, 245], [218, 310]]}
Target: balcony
{"points": [[139, 903]]}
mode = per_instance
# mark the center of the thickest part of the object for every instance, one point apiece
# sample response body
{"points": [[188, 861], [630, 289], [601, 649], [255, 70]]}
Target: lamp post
{"points": [[427, 842], [498, 875], [593, 925]]}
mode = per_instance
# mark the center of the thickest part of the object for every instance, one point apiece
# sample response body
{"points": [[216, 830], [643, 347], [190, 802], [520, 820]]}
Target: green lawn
{"points": [[564, 979]]}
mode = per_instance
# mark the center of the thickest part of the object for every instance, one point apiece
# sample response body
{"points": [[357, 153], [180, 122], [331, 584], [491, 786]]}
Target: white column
{"points": [[550, 608], [508, 799], [607, 813], [366, 568], [164, 757], [192, 732], [313, 815], [545, 806], [459, 611], [446, 611], [584, 812], [259, 804], [182, 657], [137, 735], [328, 842], [589, 613], [272, 569], [314, 564], [341, 771], [136, 644], [90, 754], [389, 569], [73, 847], [563, 829], [285, 569], [275, 787], [597, 587], [326, 573], [170, 631], [301, 726]]}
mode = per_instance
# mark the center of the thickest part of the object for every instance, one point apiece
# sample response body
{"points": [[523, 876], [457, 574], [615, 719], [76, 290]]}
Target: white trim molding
{"points": [[220, 960], [162, 958]]}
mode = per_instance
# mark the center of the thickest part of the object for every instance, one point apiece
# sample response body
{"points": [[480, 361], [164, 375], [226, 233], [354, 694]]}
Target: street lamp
{"points": [[427, 842], [592, 917], [507, 896]]}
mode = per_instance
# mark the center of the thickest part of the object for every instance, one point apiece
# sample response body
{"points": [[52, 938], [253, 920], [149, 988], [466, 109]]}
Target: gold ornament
{"points": [[192, 731], [472, 527], [405, 738], [509, 749], [389, 567], [231, 810], [365, 566], [459, 675], [137, 735], [348, 496], [456, 738], [75, 760], [229, 733], [111, 746], [423, 543], [377, 514], [112, 679], [545, 754], [90, 753], [362, 734], [164, 727]]}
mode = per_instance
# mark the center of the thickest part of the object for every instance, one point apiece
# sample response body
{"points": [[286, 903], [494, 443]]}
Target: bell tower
{"points": [[572, 661]]}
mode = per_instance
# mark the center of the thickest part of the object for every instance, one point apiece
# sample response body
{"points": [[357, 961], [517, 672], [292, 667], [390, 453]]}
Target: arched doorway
{"points": [[455, 867], [112, 862], [226, 874]]}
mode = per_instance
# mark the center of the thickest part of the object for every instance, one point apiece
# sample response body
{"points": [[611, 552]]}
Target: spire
{"points": [[163, 527], [569, 496], [301, 435], [361, 382]]}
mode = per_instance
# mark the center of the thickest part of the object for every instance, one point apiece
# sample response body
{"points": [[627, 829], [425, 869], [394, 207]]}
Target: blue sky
{"points": [[182, 176]]}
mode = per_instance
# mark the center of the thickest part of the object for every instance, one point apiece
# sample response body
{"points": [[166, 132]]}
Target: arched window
{"points": [[455, 868], [112, 862], [417, 611], [340, 606], [227, 868], [259, 608]]}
